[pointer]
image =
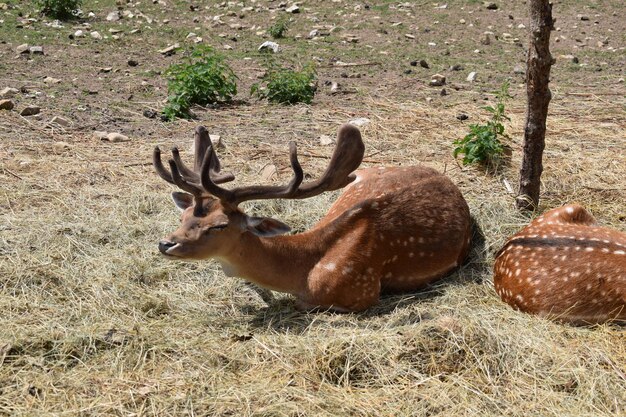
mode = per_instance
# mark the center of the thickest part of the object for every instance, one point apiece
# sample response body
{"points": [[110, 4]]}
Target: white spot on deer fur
{"points": [[347, 270], [370, 270], [395, 258], [605, 250], [619, 252], [388, 275], [517, 272], [411, 254], [589, 249], [569, 210], [375, 204], [519, 298], [330, 266], [411, 239]]}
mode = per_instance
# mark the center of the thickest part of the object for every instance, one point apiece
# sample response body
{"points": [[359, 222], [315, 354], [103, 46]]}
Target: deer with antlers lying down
{"points": [[565, 266], [391, 230]]}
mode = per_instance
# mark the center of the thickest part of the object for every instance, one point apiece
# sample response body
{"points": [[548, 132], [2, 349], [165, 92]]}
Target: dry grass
{"points": [[94, 322]]}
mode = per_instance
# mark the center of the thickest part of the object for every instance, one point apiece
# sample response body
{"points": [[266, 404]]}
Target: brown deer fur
{"points": [[565, 266]]}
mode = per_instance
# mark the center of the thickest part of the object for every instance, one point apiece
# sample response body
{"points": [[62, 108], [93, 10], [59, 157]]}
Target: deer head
{"points": [[212, 224]]}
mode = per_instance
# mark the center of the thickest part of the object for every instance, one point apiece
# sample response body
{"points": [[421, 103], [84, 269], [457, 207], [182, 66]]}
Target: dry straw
{"points": [[94, 322]]}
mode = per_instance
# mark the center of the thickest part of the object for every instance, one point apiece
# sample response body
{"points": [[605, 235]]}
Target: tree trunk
{"points": [[539, 62]]}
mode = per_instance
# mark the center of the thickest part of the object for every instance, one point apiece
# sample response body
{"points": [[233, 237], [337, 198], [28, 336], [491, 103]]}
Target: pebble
{"points": [[437, 80], [269, 46], [485, 39], [50, 80], [8, 92], [150, 114], [359, 122], [96, 35], [79, 34], [114, 16], [456, 67], [6, 104], [36, 50], [293, 9], [490, 5], [30, 111], [170, 50], [268, 172], [116, 137], [424, 64], [326, 140], [471, 77], [132, 63], [462, 116], [99, 135], [570, 58], [23, 49], [61, 121], [519, 69]]}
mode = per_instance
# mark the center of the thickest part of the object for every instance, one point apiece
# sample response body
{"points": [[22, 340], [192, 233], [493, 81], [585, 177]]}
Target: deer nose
{"points": [[164, 245]]}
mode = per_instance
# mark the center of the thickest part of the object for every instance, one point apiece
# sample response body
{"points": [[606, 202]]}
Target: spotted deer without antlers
{"points": [[391, 230], [565, 266]]}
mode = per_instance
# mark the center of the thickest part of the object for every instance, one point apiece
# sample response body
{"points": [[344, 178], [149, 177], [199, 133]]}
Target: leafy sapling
{"points": [[483, 145]]}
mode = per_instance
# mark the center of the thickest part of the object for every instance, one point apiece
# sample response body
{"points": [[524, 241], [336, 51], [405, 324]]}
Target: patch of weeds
{"points": [[286, 86], [278, 29], [204, 78], [59, 9], [483, 144]]}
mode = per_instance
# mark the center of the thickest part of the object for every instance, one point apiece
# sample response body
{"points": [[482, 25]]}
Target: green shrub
{"points": [[278, 29], [205, 78], [483, 145], [286, 86], [59, 9]]}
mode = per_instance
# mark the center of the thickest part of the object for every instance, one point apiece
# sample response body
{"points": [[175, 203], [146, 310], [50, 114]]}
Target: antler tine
{"points": [[186, 173], [158, 166], [181, 183], [207, 182], [346, 158]]}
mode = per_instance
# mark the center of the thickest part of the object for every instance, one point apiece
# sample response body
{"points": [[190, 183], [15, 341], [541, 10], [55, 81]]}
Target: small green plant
{"points": [[59, 9], [278, 29], [204, 78], [483, 145], [286, 86]]}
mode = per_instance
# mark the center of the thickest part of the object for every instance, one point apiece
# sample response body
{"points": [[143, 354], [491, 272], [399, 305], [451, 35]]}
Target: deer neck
{"points": [[280, 263]]}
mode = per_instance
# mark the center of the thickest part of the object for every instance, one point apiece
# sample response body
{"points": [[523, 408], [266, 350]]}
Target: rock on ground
{"points": [[30, 111], [6, 104]]}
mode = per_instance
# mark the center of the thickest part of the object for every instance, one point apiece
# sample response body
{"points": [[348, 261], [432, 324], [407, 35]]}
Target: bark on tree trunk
{"points": [[539, 62]]}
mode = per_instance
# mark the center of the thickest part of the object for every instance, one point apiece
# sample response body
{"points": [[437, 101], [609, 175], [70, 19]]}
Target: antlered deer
{"points": [[392, 229], [564, 265]]}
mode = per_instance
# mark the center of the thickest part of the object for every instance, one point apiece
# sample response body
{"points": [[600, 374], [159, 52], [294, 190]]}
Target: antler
{"points": [[191, 177], [346, 158], [187, 179]]}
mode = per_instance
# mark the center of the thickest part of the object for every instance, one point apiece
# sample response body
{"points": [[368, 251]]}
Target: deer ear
{"points": [[266, 226], [182, 200]]}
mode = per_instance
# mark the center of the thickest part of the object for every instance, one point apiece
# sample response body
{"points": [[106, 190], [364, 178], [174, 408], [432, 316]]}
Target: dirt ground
{"points": [[94, 322]]}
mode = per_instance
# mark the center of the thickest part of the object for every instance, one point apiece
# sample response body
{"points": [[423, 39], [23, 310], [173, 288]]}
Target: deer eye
{"points": [[218, 227]]}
